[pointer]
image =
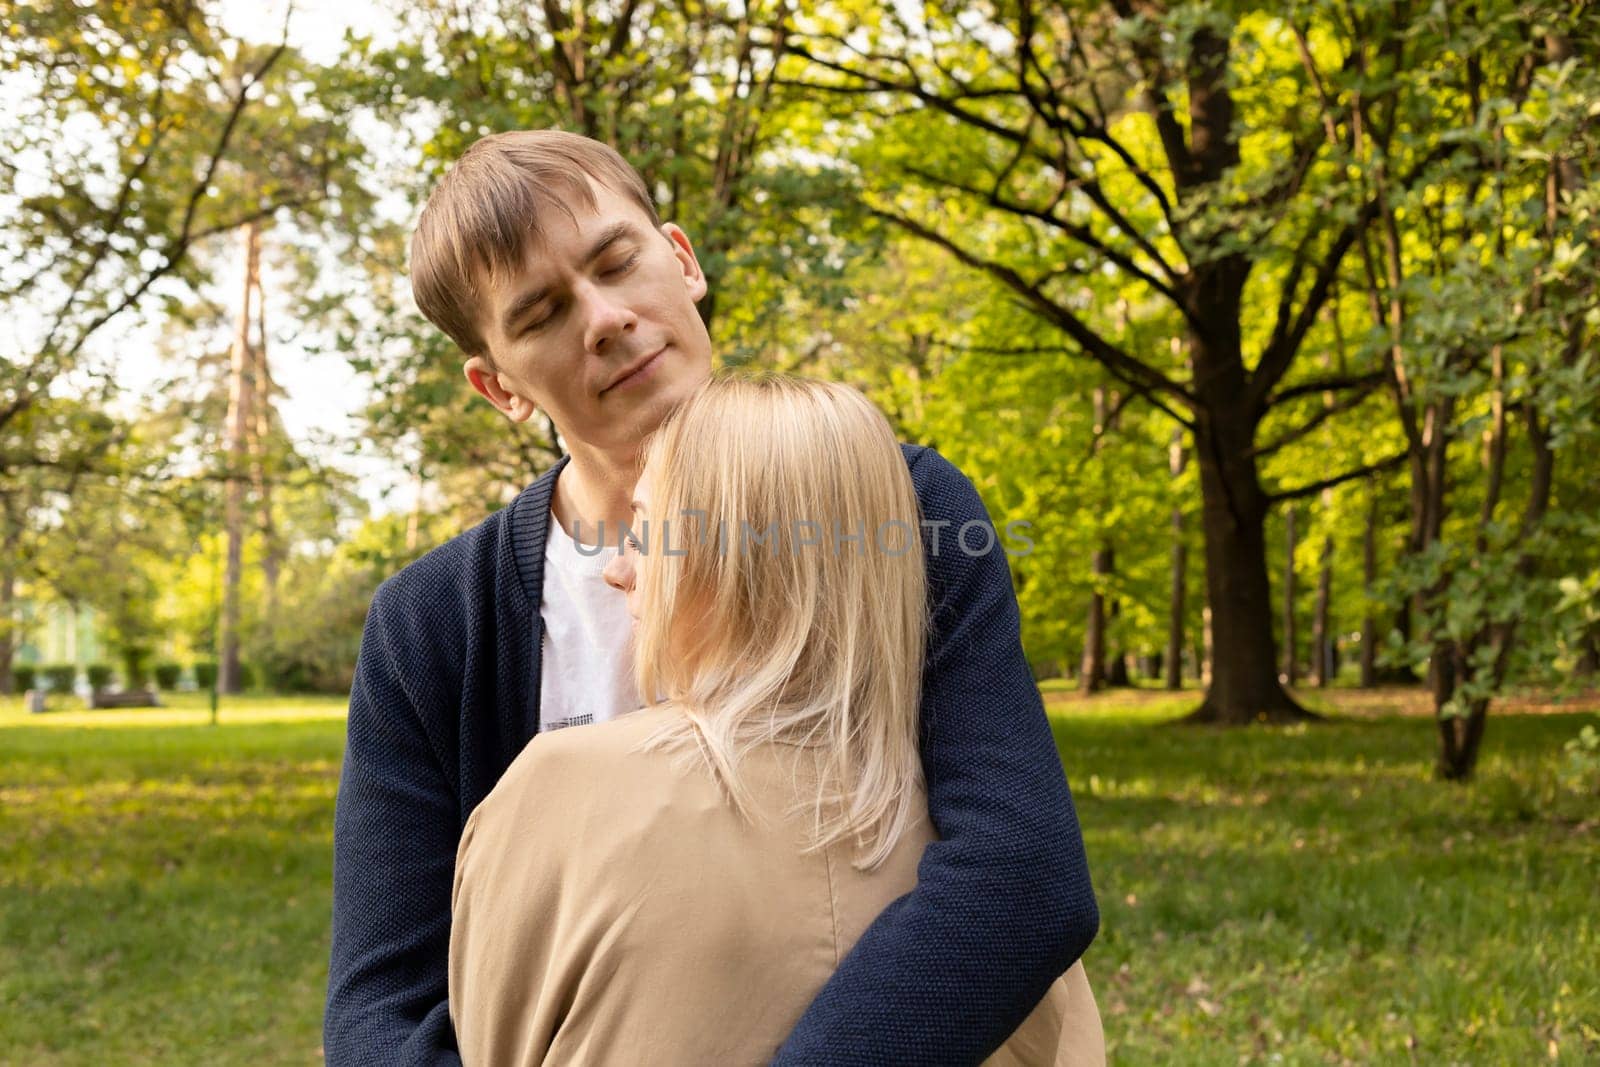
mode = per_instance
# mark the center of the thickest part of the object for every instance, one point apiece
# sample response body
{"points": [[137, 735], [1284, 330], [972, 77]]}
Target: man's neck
{"points": [[595, 487]]}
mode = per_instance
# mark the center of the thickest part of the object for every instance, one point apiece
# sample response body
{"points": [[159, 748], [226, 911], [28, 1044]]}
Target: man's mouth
{"points": [[635, 373]]}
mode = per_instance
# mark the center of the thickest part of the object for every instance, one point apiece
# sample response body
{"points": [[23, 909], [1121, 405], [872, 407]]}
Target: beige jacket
{"points": [[611, 907]]}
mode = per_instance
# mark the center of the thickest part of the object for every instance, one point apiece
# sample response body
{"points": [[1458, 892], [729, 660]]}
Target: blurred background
{"points": [[1275, 323]]}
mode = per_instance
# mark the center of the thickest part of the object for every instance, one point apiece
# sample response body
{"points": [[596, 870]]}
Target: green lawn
{"points": [[164, 884], [1303, 895]]}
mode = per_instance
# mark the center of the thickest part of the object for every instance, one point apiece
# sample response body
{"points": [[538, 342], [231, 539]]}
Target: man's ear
{"points": [[693, 276], [513, 406]]}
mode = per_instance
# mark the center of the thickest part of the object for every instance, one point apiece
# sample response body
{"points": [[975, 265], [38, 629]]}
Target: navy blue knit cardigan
{"points": [[446, 694]]}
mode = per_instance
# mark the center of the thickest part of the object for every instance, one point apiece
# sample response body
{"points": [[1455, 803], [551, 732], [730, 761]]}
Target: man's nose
{"points": [[619, 573], [607, 319]]}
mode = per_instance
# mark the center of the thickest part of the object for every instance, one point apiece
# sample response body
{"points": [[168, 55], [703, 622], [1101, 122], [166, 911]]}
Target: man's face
{"points": [[598, 328]]}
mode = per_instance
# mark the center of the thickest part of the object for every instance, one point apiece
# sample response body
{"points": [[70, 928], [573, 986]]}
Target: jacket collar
{"points": [[530, 526]]}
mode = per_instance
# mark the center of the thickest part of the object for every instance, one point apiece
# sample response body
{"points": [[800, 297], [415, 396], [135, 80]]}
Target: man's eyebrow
{"points": [[617, 231], [523, 304]]}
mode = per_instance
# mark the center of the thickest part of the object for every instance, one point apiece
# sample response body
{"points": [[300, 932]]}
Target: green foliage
{"points": [[1581, 772], [22, 676], [1374, 217], [1489, 313], [1041, 206], [205, 673], [167, 674], [135, 666], [98, 674], [313, 649], [59, 676], [135, 131]]}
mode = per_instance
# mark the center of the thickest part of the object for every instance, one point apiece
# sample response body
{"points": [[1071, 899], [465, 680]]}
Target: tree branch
{"points": [[1313, 386], [1136, 374], [1328, 483], [1157, 102], [1084, 235], [1322, 415], [1286, 336], [28, 388]]}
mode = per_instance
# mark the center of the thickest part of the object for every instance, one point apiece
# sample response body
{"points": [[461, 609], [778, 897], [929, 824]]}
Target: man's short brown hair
{"points": [[484, 215]]}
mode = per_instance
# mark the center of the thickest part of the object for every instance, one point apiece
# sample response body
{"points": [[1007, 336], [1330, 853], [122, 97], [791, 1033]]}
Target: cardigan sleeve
{"points": [[1003, 903], [394, 840]]}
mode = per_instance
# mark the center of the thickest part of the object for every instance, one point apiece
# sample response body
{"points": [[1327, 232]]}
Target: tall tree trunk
{"points": [[240, 404], [1092, 675], [1180, 576], [260, 455], [1244, 685], [1291, 674], [1369, 579], [1117, 666], [1321, 624]]}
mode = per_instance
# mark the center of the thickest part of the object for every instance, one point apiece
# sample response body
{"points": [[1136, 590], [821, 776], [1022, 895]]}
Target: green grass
{"points": [[1311, 895], [1301, 895], [164, 885]]}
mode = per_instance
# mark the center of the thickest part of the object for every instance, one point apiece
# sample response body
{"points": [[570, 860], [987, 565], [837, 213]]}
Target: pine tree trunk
{"points": [[240, 404], [260, 449], [1092, 675]]}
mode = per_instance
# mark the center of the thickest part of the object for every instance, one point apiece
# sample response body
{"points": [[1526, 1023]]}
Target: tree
{"points": [[53, 449], [1183, 153], [178, 136], [96, 220], [1514, 218]]}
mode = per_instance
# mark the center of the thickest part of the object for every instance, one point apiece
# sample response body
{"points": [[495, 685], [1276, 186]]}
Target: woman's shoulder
{"points": [[579, 764]]}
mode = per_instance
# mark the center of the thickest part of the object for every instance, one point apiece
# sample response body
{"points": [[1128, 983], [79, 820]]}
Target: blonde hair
{"points": [[799, 637], [484, 216]]}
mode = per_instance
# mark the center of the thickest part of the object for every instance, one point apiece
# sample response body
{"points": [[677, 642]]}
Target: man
{"points": [[541, 255]]}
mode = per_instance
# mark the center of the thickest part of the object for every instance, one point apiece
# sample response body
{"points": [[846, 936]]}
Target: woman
{"points": [[675, 886]]}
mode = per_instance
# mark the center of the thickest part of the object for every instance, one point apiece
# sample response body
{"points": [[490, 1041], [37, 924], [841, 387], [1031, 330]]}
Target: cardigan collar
{"points": [[530, 526]]}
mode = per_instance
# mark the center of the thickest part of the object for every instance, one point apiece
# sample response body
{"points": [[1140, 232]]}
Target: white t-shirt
{"points": [[586, 674]]}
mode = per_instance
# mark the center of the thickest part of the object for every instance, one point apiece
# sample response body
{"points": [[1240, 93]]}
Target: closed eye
{"points": [[619, 269], [535, 324]]}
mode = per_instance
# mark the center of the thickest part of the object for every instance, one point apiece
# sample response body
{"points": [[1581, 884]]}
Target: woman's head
{"points": [[780, 590]]}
